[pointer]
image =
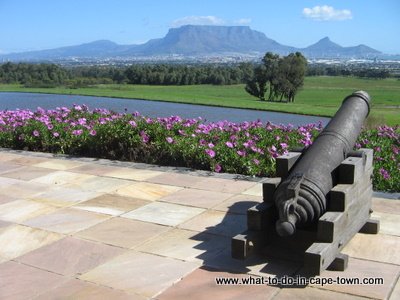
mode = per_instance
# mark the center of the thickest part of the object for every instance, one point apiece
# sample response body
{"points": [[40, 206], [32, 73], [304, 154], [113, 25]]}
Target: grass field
{"points": [[320, 95]]}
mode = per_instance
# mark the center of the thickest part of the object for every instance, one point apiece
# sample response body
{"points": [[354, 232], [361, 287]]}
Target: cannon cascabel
{"points": [[301, 197]]}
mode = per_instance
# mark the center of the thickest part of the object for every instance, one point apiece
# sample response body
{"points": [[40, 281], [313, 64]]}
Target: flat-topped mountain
{"points": [[196, 40]]}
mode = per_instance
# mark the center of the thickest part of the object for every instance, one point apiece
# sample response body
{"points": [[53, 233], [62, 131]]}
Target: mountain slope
{"points": [[195, 40]]}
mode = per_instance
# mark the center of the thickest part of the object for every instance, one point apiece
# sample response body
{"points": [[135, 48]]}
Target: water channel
{"points": [[12, 101]]}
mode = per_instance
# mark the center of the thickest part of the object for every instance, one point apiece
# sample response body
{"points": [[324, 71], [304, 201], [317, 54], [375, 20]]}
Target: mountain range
{"points": [[196, 40]]}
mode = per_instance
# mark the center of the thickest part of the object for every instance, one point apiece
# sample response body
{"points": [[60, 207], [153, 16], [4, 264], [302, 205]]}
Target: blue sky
{"points": [[44, 24]]}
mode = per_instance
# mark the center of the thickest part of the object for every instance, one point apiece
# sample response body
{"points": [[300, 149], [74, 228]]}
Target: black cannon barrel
{"points": [[301, 197]]}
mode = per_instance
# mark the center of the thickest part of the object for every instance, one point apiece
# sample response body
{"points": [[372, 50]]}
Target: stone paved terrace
{"points": [[81, 228]]}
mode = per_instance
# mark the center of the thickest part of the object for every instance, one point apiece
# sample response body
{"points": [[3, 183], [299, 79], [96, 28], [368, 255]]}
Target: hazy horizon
{"points": [[45, 24]]}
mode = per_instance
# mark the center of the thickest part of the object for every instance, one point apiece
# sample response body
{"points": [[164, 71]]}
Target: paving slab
{"points": [[17, 240], [164, 213], [70, 256], [6, 198], [62, 196], [8, 166], [21, 210], [197, 198], [59, 164], [98, 184], [23, 189], [110, 204], [132, 174], [362, 269], [27, 173], [388, 223], [123, 232], [376, 247], [224, 185], [176, 179], [21, 282], [140, 273], [201, 285], [93, 169], [78, 289], [27, 160], [66, 220], [186, 245], [396, 291], [389, 206], [147, 191], [254, 265], [61, 177], [255, 190], [310, 293], [239, 204], [217, 222]]}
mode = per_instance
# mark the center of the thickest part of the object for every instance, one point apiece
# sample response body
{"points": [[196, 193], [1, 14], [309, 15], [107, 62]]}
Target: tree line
{"points": [[278, 78], [47, 75]]}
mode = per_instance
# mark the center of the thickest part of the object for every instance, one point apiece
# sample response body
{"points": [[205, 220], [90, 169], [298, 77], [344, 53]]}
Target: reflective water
{"points": [[12, 101]]}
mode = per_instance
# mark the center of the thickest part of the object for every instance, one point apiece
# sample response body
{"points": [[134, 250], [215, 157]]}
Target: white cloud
{"points": [[198, 20], [243, 21], [327, 13]]}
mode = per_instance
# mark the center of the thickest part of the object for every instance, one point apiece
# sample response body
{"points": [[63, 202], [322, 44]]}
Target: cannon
{"points": [[320, 199], [301, 197]]}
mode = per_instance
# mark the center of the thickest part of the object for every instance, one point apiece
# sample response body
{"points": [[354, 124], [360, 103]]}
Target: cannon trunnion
{"points": [[320, 199]]}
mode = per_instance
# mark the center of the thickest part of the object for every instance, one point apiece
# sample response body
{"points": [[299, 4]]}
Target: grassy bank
{"points": [[320, 95]]}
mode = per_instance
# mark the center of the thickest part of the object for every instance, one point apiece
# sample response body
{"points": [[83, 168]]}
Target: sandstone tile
{"points": [[59, 164], [389, 206], [20, 282], [17, 240], [7, 182], [163, 213], [21, 210], [7, 156], [23, 189], [139, 273], [93, 169], [28, 160], [217, 222], [98, 184], [176, 179], [110, 204], [7, 198], [361, 269], [197, 198], [147, 191], [396, 291], [310, 293], [132, 174], [60, 178], [224, 185], [255, 190], [27, 173], [70, 256], [62, 196], [239, 204], [389, 223], [186, 245], [4, 224], [78, 289], [67, 220], [9, 166], [123, 232], [200, 285], [254, 265], [376, 247]]}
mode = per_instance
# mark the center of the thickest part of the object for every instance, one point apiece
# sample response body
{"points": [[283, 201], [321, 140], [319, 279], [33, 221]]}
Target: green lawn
{"points": [[319, 96]]}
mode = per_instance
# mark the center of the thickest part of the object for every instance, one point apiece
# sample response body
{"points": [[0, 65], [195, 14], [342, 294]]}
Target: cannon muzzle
{"points": [[301, 196]]}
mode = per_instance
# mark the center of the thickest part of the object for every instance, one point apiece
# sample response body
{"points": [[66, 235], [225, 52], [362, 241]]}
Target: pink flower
{"points": [[145, 137], [132, 123], [77, 132], [210, 153], [241, 153], [210, 145], [217, 168], [35, 133], [229, 144], [385, 174], [56, 134], [170, 140], [92, 132]]}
